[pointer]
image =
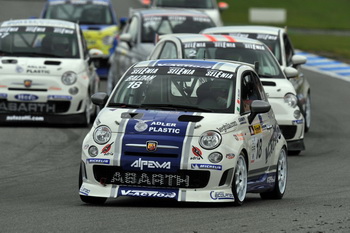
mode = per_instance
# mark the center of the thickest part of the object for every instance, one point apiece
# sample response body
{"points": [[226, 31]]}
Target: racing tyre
{"points": [[87, 199], [239, 184], [307, 113], [280, 180]]}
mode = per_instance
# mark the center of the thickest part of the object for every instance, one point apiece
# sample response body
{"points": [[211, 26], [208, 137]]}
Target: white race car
{"points": [[189, 130], [46, 73], [276, 82], [277, 39]]}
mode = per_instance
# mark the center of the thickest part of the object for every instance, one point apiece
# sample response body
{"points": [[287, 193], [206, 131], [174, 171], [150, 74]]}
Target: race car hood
{"points": [[277, 88], [165, 123], [32, 66]]}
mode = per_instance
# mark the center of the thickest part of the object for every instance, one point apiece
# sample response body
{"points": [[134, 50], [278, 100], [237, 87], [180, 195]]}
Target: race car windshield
{"points": [[271, 41], [38, 41], [86, 13], [234, 51], [177, 89], [159, 25], [206, 4]]}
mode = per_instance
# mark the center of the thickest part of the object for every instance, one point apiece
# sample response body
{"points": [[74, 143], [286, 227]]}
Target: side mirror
{"points": [[291, 72], [126, 37], [298, 60], [222, 6], [100, 99], [258, 106]]}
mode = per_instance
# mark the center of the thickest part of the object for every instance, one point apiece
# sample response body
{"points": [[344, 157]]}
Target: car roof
{"points": [[251, 29], [184, 38], [169, 12], [39, 22], [80, 1], [231, 66]]}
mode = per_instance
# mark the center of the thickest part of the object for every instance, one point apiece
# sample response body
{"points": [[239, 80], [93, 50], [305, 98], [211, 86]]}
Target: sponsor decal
{"points": [[146, 70], [86, 146], [141, 125], [19, 69], [219, 74], [84, 191], [26, 97], [223, 44], [147, 193], [195, 45], [266, 37], [227, 126], [151, 146], [197, 153], [27, 83], [134, 78], [206, 166], [27, 107], [3, 95], [132, 178], [106, 149], [254, 46], [255, 129], [298, 122], [221, 195], [150, 164], [270, 179], [230, 156], [239, 137], [100, 161], [24, 118], [181, 71], [242, 120], [272, 143], [60, 97]]}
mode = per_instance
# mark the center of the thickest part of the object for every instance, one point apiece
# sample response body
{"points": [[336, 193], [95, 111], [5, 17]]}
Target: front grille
{"points": [[181, 179], [26, 89], [288, 131], [51, 107], [150, 154]]}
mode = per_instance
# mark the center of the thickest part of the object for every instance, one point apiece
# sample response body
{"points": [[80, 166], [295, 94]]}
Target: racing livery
{"points": [[46, 74], [276, 81], [277, 39], [98, 21], [189, 130]]}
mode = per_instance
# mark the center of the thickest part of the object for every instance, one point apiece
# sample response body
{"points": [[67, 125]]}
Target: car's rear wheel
{"points": [[307, 113], [280, 180], [87, 199], [239, 184]]}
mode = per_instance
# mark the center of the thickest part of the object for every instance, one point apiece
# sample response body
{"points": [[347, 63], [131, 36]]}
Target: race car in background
{"points": [[138, 37], [158, 135], [46, 73], [210, 7], [278, 41], [98, 21], [281, 93]]}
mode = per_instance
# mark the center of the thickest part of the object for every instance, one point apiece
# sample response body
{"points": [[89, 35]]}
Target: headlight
{"points": [[215, 157], [69, 78], [93, 151], [210, 140], [102, 134], [291, 100]]}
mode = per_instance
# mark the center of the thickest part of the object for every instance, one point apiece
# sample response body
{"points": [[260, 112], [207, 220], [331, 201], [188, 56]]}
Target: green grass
{"points": [[303, 14]]}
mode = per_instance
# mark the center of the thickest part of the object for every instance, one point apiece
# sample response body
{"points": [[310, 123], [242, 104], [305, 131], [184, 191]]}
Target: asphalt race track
{"points": [[39, 183]]}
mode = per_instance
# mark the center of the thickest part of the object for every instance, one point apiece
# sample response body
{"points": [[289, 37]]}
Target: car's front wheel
{"points": [[280, 180], [239, 184]]}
